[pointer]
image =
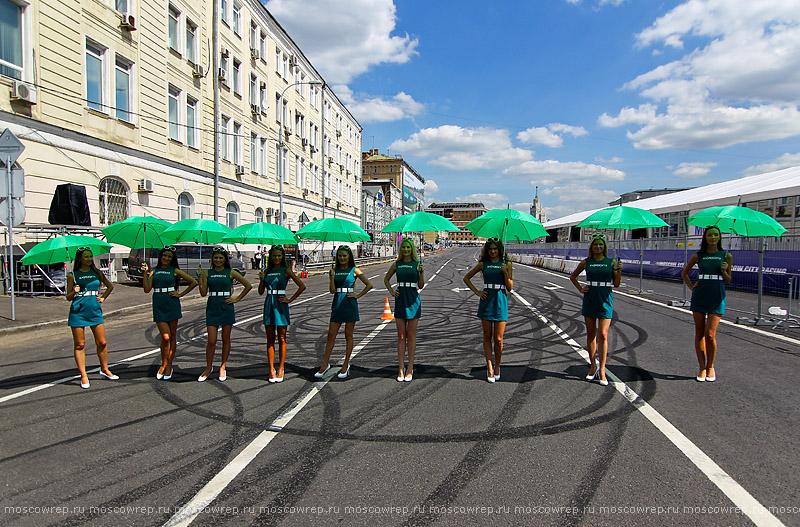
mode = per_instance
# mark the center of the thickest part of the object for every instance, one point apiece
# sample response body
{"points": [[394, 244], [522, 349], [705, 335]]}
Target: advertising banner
{"points": [[413, 192]]}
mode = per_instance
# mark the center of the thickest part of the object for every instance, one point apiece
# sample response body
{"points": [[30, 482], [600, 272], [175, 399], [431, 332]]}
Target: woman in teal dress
{"points": [[493, 305], [164, 280], [273, 281], [407, 305], [602, 273], [344, 307], [217, 282], [708, 298], [83, 293]]}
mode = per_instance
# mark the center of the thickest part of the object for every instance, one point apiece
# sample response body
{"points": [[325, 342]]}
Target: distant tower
{"points": [[536, 209]]}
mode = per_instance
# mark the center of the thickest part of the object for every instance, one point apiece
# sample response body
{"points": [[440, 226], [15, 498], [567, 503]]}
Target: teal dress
{"points": [[709, 295], [218, 313], [85, 310], [495, 306], [344, 309], [276, 313], [599, 301], [166, 308], [408, 305]]}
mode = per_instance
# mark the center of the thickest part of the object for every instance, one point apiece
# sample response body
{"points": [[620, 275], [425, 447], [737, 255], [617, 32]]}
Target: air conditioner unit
{"points": [[128, 22], [226, 53], [338, 133], [341, 167], [264, 109], [313, 149], [287, 131], [292, 61], [197, 71], [270, 211], [305, 192], [221, 75], [255, 109], [145, 185], [23, 92], [255, 53], [338, 204], [239, 170], [305, 142]]}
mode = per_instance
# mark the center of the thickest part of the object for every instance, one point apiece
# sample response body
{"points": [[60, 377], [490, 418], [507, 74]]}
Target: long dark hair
{"points": [[351, 262], [487, 246], [223, 252], [173, 263], [76, 263], [283, 263], [704, 243]]}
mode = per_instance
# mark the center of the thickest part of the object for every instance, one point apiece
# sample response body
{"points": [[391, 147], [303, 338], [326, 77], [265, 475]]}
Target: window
{"points": [[237, 76], [191, 122], [191, 41], [254, 152], [94, 76], [224, 150], [259, 215], [184, 206], [298, 173], [278, 56], [254, 90], [11, 44], [174, 113], [223, 66], [172, 25], [262, 156], [113, 197], [262, 96], [264, 47], [121, 5], [280, 164], [122, 89], [223, 10], [254, 36], [232, 215], [237, 143], [237, 19]]}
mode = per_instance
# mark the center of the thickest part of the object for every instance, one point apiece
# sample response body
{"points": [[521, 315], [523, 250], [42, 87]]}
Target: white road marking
{"points": [[760, 515], [458, 289], [135, 357], [553, 286]]}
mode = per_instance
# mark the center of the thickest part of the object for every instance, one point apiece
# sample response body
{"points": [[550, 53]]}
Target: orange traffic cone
{"points": [[387, 311]]}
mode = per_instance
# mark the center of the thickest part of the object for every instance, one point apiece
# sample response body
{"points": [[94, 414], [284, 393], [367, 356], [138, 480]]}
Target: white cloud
{"points": [[550, 135], [692, 170], [561, 200], [430, 187], [457, 148], [740, 84], [344, 39], [615, 159], [787, 160], [369, 109], [490, 201], [551, 172]]}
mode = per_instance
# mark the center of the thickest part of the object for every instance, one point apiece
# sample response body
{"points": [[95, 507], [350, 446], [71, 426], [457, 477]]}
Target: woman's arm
{"points": [[420, 275], [261, 285], [108, 285], [388, 277], [331, 281], [203, 283], [506, 269], [192, 284], [147, 277], [616, 272], [300, 288], [72, 289], [468, 280], [685, 272], [367, 284], [242, 280], [574, 277], [726, 268]]}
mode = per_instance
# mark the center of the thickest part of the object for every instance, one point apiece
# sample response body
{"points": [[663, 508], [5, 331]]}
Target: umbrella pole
{"points": [[641, 264], [760, 277]]}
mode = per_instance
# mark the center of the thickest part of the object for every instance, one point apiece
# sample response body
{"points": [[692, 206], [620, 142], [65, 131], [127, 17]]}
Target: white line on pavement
{"points": [[760, 515]]}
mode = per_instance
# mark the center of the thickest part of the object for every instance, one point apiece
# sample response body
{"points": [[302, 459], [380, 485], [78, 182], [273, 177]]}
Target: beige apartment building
{"points": [[118, 96], [460, 214]]}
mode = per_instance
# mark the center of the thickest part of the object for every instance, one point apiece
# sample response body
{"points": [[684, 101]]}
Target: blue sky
{"points": [[585, 98]]}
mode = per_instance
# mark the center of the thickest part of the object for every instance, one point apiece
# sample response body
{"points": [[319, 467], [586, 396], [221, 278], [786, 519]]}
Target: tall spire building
{"points": [[536, 209]]}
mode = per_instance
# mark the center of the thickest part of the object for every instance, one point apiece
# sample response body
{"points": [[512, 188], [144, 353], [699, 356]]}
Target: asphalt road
{"points": [[540, 447]]}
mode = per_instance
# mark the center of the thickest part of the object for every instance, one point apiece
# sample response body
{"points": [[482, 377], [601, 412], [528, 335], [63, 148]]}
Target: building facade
{"points": [[460, 214], [119, 97], [400, 173]]}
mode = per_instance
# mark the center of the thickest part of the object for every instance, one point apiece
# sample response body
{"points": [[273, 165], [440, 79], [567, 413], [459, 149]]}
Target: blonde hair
{"points": [[605, 246], [413, 250]]}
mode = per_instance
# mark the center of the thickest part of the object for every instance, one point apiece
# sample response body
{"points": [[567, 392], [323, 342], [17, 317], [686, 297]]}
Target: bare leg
{"points": [[486, 325], [333, 330], [281, 349], [349, 327], [173, 343], [411, 343], [603, 324], [226, 349], [710, 337], [164, 331], [591, 344], [79, 344], [700, 342], [99, 333], [211, 347], [271, 350], [401, 345], [499, 329]]}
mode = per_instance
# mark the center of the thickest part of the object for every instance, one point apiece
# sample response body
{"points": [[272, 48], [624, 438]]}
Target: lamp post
{"points": [[280, 144]]}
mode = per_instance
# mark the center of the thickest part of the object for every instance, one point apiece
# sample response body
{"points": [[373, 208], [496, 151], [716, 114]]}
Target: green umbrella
{"points": [[63, 249], [139, 232], [507, 224], [197, 230], [333, 229], [261, 233], [743, 221], [622, 217], [420, 221]]}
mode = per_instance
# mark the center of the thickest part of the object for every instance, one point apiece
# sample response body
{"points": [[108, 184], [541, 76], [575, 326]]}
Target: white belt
{"points": [[219, 293], [710, 277], [164, 289], [406, 284], [276, 291], [86, 293], [600, 284], [493, 286], [344, 289]]}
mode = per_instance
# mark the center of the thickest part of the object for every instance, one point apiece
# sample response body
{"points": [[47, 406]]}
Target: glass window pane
{"points": [[121, 5], [94, 77], [174, 130], [191, 31], [191, 126], [122, 90], [173, 28], [10, 39]]}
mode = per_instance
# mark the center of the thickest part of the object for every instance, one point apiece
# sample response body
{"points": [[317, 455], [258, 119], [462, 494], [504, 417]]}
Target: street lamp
{"points": [[280, 143]]}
